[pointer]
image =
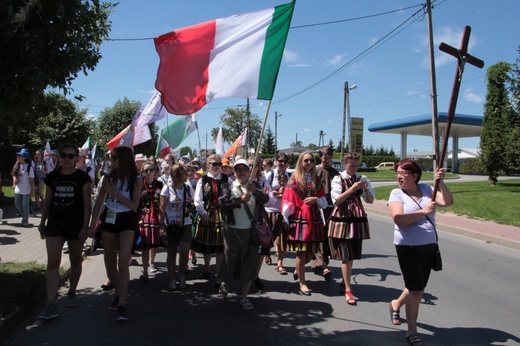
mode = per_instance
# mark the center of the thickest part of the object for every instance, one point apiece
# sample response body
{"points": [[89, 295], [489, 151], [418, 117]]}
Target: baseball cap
{"points": [[23, 152], [241, 162], [140, 157]]}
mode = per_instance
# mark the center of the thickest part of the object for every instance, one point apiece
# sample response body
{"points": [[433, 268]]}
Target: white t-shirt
{"points": [[24, 183], [113, 203], [175, 197], [420, 232]]}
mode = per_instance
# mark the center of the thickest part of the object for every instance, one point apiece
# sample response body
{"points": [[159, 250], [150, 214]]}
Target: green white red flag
{"points": [[237, 56]]}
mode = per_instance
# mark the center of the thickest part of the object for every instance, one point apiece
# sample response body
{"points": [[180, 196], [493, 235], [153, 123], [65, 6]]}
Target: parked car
{"points": [[385, 166]]}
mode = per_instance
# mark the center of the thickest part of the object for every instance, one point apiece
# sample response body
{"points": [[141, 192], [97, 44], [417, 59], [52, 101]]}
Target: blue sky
{"points": [[393, 80]]}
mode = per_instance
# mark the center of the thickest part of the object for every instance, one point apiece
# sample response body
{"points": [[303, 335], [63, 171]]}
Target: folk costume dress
{"points": [[348, 223], [149, 226], [306, 228], [208, 239]]}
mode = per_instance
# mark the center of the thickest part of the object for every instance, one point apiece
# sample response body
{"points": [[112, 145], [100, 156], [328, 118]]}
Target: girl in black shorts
{"points": [[66, 208]]}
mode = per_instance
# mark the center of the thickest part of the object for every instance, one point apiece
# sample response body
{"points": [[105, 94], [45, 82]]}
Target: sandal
{"points": [[349, 297], [281, 270], [414, 340], [394, 316], [268, 260], [326, 273]]}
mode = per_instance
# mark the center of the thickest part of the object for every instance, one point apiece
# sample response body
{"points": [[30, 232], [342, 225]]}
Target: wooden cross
{"points": [[463, 57]]}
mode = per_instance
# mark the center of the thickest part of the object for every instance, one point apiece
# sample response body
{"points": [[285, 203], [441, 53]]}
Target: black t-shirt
{"points": [[67, 197]]}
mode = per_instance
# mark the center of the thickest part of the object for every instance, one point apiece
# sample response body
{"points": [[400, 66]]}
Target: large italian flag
{"points": [[237, 56]]}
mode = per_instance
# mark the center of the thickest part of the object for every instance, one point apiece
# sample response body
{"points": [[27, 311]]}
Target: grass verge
{"points": [[479, 200], [20, 282]]}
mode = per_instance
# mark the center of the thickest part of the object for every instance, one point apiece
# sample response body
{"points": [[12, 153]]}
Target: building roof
{"points": [[463, 125]]}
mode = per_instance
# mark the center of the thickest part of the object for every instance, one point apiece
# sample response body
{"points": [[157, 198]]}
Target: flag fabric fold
{"points": [[238, 142], [47, 157], [179, 130], [237, 56], [163, 148], [219, 143], [152, 112], [86, 145]]}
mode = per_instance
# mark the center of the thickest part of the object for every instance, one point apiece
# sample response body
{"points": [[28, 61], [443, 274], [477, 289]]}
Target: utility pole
{"points": [[433, 86], [276, 115]]}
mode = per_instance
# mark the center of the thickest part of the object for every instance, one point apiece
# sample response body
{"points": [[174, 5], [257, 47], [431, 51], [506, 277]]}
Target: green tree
{"points": [[513, 139], [234, 121], [188, 151], [268, 142], [497, 112], [43, 44], [331, 144], [62, 122], [297, 143], [312, 146], [113, 120]]}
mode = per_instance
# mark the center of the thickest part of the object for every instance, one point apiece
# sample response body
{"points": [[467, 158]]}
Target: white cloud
{"points": [[448, 36], [293, 59], [471, 96], [336, 59]]}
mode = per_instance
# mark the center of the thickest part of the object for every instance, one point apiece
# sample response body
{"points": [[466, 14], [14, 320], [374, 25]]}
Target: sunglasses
{"points": [[282, 161], [216, 164], [70, 156], [149, 170], [308, 160], [241, 170]]}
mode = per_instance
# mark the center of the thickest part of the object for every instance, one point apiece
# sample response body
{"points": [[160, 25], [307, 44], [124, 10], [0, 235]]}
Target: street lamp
{"points": [[346, 118], [276, 115]]}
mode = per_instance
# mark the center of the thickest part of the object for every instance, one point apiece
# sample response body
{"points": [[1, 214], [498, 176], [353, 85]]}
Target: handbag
{"points": [[261, 232], [437, 259]]}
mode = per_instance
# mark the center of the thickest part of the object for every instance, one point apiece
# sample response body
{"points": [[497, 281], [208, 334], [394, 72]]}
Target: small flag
{"points": [[178, 130], [219, 144], [47, 157], [86, 145], [163, 148], [238, 142]]}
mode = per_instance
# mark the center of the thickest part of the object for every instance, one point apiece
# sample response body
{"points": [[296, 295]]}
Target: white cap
{"points": [[140, 157], [241, 162]]}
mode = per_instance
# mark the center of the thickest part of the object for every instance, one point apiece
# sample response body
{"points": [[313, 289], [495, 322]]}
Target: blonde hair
{"points": [[298, 175]]}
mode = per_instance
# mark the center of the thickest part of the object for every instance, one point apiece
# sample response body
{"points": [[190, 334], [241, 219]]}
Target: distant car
{"points": [[385, 166], [362, 165]]}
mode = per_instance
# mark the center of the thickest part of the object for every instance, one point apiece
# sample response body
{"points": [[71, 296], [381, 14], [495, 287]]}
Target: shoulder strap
{"points": [[426, 216]]}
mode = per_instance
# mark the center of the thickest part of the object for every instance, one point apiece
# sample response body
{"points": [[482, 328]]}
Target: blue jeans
{"points": [[22, 204]]}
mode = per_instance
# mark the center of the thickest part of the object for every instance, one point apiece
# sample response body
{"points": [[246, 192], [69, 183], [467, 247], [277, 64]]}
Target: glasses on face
{"points": [[283, 162], [308, 160], [149, 170], [216, 164], [241, 170], [404, 174], [114, 157], [70, 156]]}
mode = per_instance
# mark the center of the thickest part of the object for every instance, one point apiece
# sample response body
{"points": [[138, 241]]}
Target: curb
{"points": [[443, 227]]}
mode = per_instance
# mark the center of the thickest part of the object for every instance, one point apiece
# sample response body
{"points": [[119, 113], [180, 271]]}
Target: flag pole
{"points": [[261, 136], [200, 149]]}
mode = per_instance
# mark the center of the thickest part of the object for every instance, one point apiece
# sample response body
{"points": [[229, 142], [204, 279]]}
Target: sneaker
{"points": [[182, 282], [143, 277], [121, 313], [258, 284], [113, 305], [223, 290], [152, 268], [50, 311], [72, 300], [246, 305], [25, 223], [172, 285]]}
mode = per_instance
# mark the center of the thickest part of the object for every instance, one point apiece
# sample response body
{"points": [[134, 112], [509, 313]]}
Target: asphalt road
{"points": [[473, 301]]}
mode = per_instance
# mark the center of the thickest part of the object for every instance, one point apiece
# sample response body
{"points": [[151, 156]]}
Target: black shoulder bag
{"points": [[437, 259]]}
